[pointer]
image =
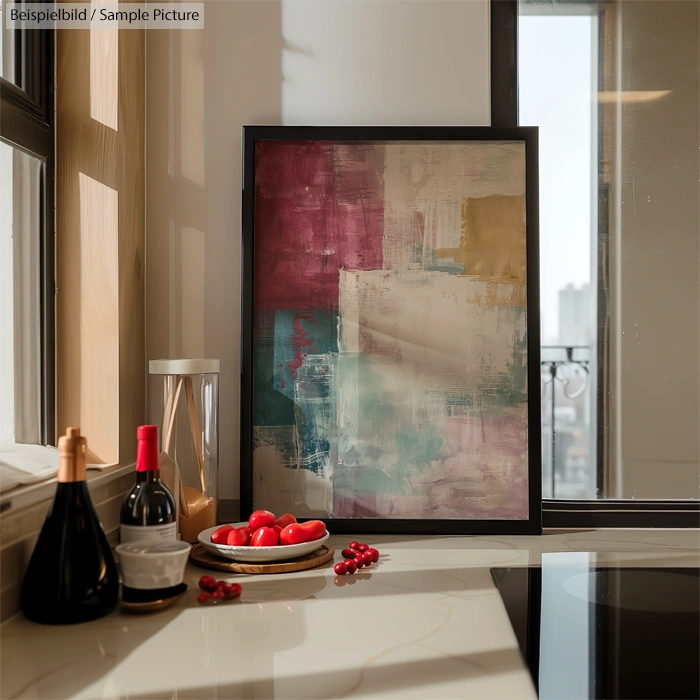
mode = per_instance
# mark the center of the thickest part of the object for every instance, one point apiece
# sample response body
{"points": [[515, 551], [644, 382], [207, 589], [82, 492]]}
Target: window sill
{"points": [[25, 496]]}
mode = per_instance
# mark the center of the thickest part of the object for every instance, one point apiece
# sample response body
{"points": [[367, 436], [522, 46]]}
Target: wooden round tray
{"points": [[200, 557]]}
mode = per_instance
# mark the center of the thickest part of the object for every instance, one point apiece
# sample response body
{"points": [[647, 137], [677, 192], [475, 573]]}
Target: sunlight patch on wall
{"points": [[104, 76], [99, 315]]}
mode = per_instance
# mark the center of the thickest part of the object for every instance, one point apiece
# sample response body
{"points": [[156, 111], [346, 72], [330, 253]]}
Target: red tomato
{"points": [[316, 529], [293, 534], [277, 528], [220, 536], [264, 537], [240, 537], [284, 520], [296, 533], [261, 518]]}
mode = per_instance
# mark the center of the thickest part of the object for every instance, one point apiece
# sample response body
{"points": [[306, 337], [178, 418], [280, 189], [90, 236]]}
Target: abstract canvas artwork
{"points": [[389, 328]]}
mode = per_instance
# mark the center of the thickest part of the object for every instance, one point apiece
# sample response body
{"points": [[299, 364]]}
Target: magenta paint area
{"points": [[319, 207]]}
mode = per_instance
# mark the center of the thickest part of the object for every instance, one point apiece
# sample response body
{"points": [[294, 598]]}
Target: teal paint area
{"points": [[299, 334], [315, 412], [434, 264], [381, 444], [270, 407], [281, 341], [294, 361], [417, 445]]}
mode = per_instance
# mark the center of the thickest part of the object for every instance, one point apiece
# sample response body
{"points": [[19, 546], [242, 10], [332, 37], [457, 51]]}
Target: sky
{"points": [[557, 65]]}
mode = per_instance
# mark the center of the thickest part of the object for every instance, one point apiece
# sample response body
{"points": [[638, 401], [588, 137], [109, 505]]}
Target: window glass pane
{"points": [[613, 87], [557, 68], [7, 47], [20, 397]]}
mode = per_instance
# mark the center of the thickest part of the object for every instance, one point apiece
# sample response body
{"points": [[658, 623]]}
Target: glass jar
{"points": [[183, 402]]}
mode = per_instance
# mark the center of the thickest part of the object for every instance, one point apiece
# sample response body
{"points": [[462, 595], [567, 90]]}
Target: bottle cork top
{"points": [[71, 450]]}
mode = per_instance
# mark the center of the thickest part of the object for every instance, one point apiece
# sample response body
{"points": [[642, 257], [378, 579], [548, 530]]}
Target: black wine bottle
{"points": [[148, 511], [71, 576]]}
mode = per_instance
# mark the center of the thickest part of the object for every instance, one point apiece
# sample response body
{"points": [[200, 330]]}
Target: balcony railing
{"points": [[568, 424]]}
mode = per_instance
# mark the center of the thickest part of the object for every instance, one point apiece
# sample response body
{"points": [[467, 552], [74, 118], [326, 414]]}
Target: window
{"points": [[20, 233], [614, 87], [557, 66], [26, 237]]}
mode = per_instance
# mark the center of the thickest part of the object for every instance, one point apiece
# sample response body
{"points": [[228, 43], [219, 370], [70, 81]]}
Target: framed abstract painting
{"points": [[391, 368]]}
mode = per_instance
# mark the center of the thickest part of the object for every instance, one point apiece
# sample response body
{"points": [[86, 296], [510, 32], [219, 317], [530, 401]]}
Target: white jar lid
{"points": [[185, 366]]}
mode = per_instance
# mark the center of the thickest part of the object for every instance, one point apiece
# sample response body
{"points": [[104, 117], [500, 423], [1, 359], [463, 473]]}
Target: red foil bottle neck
{"points": [[147, 450]]}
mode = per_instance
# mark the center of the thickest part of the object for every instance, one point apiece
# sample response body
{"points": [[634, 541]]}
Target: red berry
{"points": [[362, 547], [349, 553], [204, 582], [354, 545], [207, 583], [374, 553], [351, 565], [221, 584], [360, 560], [203, 597], [232, 590], [340, 568], [219, 593]]}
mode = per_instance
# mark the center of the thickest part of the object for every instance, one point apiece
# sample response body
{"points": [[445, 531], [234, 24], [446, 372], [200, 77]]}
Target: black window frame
{"points": [[559, 513], [27, 122]]}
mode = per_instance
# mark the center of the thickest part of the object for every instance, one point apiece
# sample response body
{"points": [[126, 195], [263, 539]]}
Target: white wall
{"points": [[271, 62], [378, 62]]}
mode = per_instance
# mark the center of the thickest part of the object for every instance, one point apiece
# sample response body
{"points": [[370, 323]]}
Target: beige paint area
{"points": [[410, 315], [458, 208]]}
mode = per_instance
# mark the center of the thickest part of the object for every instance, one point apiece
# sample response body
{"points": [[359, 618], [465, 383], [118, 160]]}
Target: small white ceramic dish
{"points": [[257, 554], [150, 566]]}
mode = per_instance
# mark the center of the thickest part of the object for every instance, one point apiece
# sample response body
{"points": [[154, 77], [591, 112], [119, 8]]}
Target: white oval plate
{"points": [[257, 554]]}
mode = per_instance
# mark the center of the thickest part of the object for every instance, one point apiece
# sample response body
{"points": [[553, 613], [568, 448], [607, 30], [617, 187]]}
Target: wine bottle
{"points": [[148, 511], [71, 576]]}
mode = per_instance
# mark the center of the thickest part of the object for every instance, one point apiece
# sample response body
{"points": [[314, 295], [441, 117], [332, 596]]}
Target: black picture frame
{"points": [[527, 135]]}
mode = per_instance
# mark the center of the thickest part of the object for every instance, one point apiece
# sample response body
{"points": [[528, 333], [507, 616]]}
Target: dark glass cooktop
{"points": [[603, 632]]}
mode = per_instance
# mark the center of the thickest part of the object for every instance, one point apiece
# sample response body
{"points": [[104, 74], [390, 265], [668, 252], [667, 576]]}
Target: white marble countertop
{"points": [[426, 622]]}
